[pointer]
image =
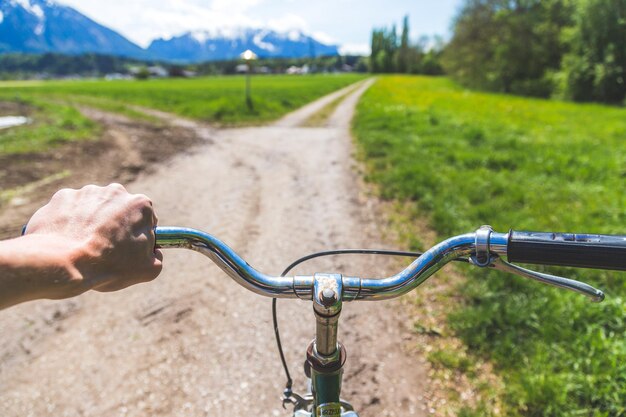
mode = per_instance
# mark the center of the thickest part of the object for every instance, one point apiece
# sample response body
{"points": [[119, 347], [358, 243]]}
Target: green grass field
{"points": [[465, 159], [53, 123], [213, 99]]}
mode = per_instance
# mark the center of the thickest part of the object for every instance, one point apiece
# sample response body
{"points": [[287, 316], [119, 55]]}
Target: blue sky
{"points": [[344, 22]]}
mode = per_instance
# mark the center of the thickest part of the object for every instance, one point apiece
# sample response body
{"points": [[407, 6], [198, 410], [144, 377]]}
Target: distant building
{"points": [[293, 70], [241, 69], [158, 71], [347, 68], [117, 76]]}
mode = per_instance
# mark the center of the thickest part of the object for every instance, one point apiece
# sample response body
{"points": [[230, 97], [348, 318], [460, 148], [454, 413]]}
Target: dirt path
{"points": [[193, 342], [123, 150], [299, 117]]}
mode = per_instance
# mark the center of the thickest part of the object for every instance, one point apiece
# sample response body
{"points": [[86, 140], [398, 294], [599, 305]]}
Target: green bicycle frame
{"points": [[326, 391]]}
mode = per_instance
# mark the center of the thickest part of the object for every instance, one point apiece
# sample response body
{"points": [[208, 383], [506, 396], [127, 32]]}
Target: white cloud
{"points": [[324, 38], [287, 22], [355, 49], [145, 20], [233, 6], [1, 16], [200, 36]]}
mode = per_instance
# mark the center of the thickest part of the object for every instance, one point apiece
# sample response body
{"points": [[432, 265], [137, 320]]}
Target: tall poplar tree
{"points": [[403, 52]]}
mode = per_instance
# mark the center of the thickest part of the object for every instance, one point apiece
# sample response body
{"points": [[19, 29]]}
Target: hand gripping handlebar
{"points": [[483, 248]]}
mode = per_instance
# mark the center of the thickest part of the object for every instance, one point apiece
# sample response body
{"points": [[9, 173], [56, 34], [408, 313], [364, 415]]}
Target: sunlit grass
{"points": [[214, 99], [467, 159], [53, 124], [111, 106], [218, 100], [7, 195]]}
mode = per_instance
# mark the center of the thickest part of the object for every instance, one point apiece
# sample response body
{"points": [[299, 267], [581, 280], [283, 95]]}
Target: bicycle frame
{"points": [[325, 355]]}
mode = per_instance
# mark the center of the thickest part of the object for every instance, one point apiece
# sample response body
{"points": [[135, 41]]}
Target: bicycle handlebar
{"points": [[483, 248]]}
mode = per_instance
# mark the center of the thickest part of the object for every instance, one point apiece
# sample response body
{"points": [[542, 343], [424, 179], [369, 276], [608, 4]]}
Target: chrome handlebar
{"points": [[483, 248]]}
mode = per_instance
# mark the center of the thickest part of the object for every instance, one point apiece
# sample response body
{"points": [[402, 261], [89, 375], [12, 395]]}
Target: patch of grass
{"points": [[451, 360], [112, 107], [213, 99], [320, 117], [466, 159], [8, 195], [481, 410], [53, 124]]}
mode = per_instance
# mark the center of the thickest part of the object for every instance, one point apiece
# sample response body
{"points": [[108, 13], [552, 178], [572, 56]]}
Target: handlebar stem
{"points": [[327, 294]]}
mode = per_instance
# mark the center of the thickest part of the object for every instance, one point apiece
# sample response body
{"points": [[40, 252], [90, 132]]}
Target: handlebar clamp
{"points": [[483, 256]]}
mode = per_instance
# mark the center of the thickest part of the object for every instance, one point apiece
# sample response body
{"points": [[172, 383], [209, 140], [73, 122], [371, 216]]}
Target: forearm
{"points": [[37, 266]]}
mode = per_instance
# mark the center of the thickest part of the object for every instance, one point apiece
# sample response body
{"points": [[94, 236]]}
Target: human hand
{"points": [[107, 233]]}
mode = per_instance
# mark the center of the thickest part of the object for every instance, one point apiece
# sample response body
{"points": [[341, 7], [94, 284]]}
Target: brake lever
{"points": [[498, 263]]}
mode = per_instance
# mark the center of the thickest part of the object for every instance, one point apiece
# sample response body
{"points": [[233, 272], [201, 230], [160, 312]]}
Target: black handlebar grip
{"points": [[568, 249]]}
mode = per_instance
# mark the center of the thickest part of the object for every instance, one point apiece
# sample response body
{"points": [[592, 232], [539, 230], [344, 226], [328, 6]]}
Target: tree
{"points": [[403, 52], [377, 48], [142, 74], [391, 51], [595, 68], [392, 55], [384, 50], [508, 46]]}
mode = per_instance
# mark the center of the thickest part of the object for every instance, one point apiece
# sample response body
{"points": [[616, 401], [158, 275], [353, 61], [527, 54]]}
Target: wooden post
{"points": [[248, 96]]}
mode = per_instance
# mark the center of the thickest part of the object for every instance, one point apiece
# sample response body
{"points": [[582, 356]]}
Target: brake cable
{"points": [[288, 392]]}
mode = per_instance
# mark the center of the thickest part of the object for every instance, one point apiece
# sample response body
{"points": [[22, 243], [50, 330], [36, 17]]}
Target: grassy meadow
{"points": [[213, 99], [462, 159], [53, 123]]}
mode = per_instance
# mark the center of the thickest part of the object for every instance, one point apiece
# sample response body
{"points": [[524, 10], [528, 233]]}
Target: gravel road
{"points": [[193, 342]]}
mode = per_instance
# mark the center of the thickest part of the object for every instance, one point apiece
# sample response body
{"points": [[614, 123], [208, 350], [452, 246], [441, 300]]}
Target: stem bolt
{"points": [[328, 297]]}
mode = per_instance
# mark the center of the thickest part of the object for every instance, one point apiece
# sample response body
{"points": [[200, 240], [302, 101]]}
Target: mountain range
{"points": [[39, 26], [221, 45]]}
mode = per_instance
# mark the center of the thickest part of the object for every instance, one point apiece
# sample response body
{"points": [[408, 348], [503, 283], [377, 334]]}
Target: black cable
{"points": [[349, 251], [280, 349], [289, 383]]}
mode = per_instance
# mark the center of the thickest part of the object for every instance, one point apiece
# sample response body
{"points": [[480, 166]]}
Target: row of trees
{"points": [[393, 53], [570, 49], [573, 49], [25, 66], [320, 64], [18, 66]]}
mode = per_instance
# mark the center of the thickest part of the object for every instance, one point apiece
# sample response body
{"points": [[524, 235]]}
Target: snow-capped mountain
{"points": [[45, 26], [228, 44], [36, 26]]}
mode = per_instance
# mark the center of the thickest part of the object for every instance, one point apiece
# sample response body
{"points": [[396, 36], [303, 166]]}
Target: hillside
{"points": [[36, 26]]}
